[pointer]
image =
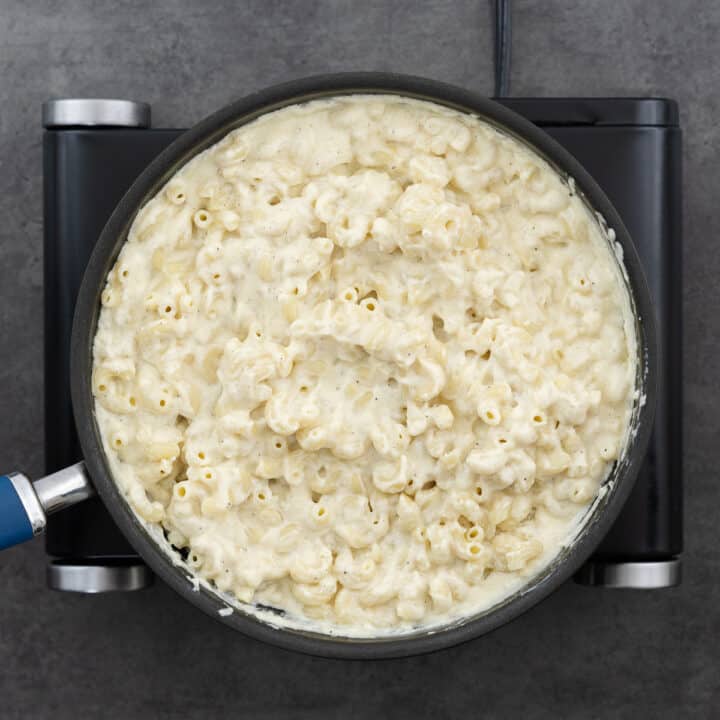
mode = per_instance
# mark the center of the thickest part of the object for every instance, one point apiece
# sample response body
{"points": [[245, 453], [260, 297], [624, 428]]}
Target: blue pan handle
{"points": [[25, 505]]}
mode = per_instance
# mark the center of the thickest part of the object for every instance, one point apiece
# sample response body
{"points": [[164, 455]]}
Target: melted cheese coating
{"points": [[367, 360]]}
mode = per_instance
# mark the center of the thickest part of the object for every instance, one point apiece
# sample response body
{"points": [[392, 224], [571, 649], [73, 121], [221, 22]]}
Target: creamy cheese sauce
{"points": [[367, 360]]}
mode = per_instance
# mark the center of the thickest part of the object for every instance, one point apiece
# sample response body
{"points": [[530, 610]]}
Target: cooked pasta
{"points": [[366, 360]]}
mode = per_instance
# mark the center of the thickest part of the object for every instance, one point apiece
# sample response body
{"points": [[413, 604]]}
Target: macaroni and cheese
{"points": [[368, 361]]}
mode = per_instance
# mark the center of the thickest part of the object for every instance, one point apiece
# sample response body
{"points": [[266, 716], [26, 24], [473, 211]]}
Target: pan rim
{"points": [[205, 134]]}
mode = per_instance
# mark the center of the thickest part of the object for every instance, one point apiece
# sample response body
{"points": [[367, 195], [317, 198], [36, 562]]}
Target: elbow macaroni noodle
{"points": [[367, 360]]}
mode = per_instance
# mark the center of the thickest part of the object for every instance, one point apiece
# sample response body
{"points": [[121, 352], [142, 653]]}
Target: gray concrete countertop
{"points": [[583, 653]]}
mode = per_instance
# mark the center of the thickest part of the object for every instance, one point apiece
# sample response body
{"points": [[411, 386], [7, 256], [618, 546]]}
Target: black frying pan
{"points": [[23, 505]]}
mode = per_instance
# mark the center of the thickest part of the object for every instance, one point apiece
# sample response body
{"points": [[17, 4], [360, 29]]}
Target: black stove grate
{"points": [[630, 146]]}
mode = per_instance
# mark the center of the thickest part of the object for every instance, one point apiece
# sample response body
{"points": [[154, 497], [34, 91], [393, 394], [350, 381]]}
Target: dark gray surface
{"points": [[583, 653]]}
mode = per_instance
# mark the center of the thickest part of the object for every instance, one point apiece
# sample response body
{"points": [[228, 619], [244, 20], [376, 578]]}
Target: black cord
{"points": [[503, 39]]}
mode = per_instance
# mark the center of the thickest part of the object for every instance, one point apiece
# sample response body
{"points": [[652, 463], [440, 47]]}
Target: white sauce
{"points": [[368, 361]]}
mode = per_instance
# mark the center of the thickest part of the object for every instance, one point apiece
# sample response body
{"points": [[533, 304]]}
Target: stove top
{"points": [[93, 150]]}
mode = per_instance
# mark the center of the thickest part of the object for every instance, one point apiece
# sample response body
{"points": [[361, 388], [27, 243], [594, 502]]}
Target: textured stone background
{"points": [[582, 653]]}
